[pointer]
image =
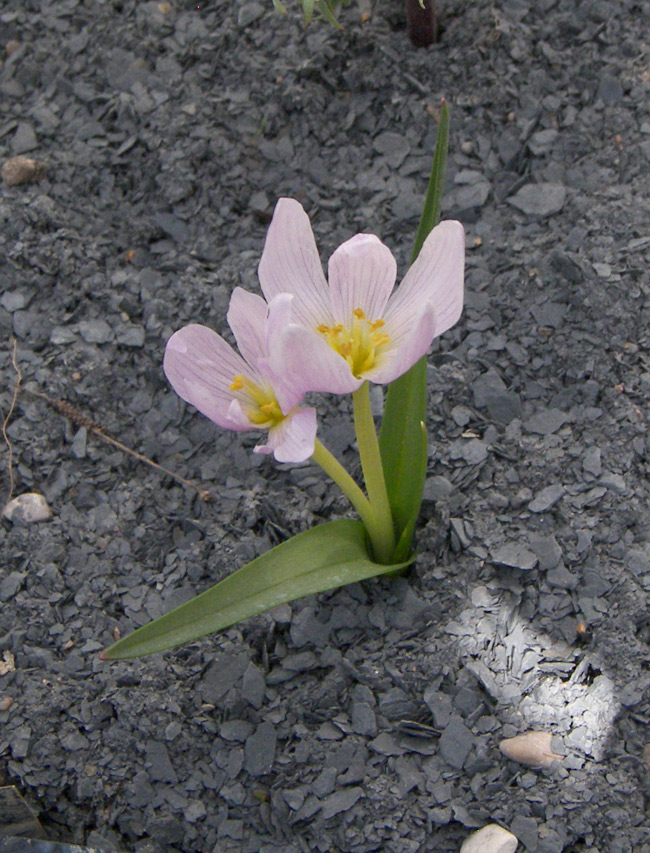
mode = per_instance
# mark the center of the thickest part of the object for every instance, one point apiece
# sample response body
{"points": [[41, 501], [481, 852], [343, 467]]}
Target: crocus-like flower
{"points": [[356, 328], [242, 393]]}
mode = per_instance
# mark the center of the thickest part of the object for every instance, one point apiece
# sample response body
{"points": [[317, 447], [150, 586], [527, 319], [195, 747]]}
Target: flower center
{"points": [[259, 403], [361, 345]]}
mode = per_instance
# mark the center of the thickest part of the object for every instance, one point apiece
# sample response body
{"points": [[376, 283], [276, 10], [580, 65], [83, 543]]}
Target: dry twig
{"points": [[79, 419], [5, 422]]}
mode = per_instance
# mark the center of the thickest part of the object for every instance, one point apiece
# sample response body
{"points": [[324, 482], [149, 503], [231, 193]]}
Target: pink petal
{"points": [[290, 264], [307, 363], [436, 277], [247, 319], [405, 350], [293, 439], [200, 367], [362, 275]]}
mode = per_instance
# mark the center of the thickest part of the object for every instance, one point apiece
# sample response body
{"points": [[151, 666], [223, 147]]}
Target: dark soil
{"points": [[367, 719]]}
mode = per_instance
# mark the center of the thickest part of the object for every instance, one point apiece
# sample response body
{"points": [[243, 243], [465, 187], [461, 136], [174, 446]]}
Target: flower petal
{"points": [[362, 275], [307, 363], [405, 349], [292, 440], [247, 318], [436, 277], [200, 367], [290, 264]]}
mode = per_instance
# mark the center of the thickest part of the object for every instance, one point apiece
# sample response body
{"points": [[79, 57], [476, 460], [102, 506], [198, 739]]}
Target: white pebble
{"points": [[490, 839], [532, 749], [27, 508]]}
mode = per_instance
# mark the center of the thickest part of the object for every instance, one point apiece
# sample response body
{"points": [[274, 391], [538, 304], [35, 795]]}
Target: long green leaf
{"points": [[325, 557], [402, 437]]}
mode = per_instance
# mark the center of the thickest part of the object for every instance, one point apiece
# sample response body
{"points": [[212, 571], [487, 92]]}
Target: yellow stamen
{"points": [[360, 345], [258, 402]]}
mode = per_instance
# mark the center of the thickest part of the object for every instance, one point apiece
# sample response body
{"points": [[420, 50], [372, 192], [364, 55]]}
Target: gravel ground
{"points": [[370, 718]]}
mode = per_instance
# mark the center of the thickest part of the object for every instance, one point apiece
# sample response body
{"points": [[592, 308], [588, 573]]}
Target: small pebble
{"points": [[490, 839], [533, 749], [12, 46], [27, 508], [5, 703], [22, 170]]}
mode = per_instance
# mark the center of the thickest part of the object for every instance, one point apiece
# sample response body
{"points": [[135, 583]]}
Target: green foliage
{"points": [[325, 557], [403, 437]]}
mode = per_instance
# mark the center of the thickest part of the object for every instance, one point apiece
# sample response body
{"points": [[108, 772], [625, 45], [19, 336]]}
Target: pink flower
{"points": [[356, 328], [242, 393]]}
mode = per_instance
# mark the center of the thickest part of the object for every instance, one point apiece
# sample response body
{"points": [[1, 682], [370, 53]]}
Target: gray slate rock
{"points": [[539, 199], [514, 555], [547, 498], [259, 752], [456, 742], [546, 422]]}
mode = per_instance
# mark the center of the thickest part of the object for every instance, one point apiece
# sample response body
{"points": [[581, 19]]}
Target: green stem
{"points": [[373, 474], [333, 468]]}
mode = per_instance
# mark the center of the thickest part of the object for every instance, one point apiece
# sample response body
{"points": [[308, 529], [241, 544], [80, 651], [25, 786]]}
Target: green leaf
{"points": [[308, 10], [402, 437], [279, 7], [327, 9], [325, 557]]}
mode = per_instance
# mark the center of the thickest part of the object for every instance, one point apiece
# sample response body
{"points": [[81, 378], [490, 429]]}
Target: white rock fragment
{"points": [[490, 839], [27, 508], [532, 749], [22, 170]]}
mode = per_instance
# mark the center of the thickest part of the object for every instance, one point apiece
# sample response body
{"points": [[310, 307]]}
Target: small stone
{"points": [[490, 839], [546, 422], [24, 138], [610, 90], [12, 46], [22, 170], [5, 703], [547, 498], [539, 199], [547, 550], [27, 508], [534, 749], [260, 750], [455, 742], [473, 452], [95, 331], [341, 801], [514, 555], [542, 141]]}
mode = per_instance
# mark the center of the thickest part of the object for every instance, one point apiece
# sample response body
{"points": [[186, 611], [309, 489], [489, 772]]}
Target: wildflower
{"points": [[241, 392], [356, 328]]}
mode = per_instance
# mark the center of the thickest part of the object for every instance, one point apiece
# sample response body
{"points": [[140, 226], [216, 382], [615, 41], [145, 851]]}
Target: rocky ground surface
{"points": [[370, 718]]}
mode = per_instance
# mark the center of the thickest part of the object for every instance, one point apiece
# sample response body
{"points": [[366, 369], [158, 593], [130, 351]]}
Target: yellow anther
{"points": [[360, 345], [257, 401]]}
